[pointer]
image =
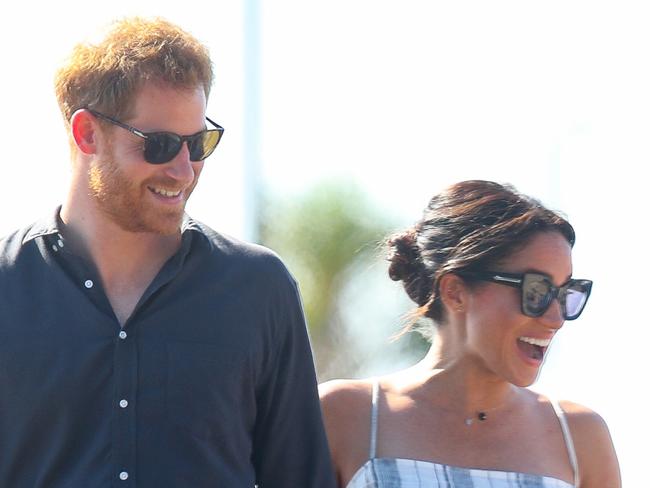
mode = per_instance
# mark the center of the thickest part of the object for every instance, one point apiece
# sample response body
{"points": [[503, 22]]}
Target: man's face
{"points": [[139, 196]]}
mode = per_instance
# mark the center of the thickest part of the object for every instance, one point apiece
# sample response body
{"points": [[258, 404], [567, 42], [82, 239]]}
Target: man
{"points": [[139, 348]]}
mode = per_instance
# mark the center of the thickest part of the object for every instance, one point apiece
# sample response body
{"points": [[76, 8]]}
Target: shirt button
{"points": [[124, 403], [124, 476], [122, 334], [88, 284]]}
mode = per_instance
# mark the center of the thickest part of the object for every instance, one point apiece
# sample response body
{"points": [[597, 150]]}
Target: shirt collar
{"points": [[46, 226], [52, 225]]}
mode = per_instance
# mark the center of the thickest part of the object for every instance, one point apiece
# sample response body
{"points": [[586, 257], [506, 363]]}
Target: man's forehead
{"points": [[155, 100]]}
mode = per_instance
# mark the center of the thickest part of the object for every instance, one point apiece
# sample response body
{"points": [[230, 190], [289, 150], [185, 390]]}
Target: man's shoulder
{"points": [[232, 251], [12, 244], [229, 246]]}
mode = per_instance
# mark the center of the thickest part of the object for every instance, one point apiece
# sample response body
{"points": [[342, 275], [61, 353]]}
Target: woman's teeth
{"points": [[536, 342]]}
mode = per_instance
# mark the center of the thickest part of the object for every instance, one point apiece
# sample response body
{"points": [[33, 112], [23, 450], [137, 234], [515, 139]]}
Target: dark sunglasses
{"points": [[537, 292], [162, 147]]}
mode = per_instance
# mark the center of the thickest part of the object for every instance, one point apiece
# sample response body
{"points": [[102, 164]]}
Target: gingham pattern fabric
{"points": [[408, 473]]}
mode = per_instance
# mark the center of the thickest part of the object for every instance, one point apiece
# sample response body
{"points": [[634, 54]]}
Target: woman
{"points": [[492, 270]]}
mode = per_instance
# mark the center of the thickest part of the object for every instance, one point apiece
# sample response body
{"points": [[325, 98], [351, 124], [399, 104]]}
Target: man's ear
{"points": [[453, 292], [84, 126]]}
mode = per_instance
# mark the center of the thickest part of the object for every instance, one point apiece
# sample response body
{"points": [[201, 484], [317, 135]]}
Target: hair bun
{"points": [[406, 265], [403, 254]]}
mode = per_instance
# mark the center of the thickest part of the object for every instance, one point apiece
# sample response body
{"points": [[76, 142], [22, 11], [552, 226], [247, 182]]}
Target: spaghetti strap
{"points": [[568, 440], [373, 418]]}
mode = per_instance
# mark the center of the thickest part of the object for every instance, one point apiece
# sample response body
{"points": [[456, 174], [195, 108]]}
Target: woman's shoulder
{"points": [[345, 390], [579, 416], [584, 423], [595, 451], [345, 402], [346, 406]]}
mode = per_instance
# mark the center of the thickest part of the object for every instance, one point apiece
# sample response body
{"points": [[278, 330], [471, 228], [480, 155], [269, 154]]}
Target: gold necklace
{"points": [[481, 416]]}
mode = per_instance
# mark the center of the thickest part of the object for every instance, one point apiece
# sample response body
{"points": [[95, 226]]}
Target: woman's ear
{"points": [[453, 292], [83, 126]]}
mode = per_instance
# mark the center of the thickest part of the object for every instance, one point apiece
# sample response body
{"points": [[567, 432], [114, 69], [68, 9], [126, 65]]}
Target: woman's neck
{"points": [[462, 382]]}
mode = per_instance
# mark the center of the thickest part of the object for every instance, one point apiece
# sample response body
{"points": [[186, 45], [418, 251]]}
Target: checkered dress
{"points": [[409, 473]]}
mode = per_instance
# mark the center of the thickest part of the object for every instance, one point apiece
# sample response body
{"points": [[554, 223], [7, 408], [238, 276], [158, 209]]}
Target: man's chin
{"points": [[163, 225]]}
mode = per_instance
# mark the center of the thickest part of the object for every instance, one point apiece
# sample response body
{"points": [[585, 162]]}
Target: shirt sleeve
{"points": [[289, 444]]}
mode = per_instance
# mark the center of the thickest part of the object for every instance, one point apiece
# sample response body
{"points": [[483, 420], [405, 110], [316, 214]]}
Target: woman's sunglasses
{"points": [[162, 147], [537, 292]]}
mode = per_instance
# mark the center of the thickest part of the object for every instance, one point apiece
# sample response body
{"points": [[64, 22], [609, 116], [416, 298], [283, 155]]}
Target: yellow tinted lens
{"points": [[204, 144]]}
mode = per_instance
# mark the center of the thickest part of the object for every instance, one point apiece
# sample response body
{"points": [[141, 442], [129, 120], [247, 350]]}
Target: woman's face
{"points": [[498, 335]]}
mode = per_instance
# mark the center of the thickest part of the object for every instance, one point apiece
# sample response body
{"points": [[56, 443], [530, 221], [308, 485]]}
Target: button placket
{"points": [[125, 368]]}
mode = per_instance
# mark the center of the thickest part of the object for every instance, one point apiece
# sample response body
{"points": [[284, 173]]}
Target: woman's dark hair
{"points": [[470, 226]]}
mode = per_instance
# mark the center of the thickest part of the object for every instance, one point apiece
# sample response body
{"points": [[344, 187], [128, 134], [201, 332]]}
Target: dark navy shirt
{"points": [[210, 383]]}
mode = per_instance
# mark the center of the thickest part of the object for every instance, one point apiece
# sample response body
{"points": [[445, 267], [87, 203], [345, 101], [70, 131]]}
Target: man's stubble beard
{"points": [[126, 203]]}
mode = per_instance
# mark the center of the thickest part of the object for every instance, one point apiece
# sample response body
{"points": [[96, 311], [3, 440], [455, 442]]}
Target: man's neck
{"points": [[127, 262]]}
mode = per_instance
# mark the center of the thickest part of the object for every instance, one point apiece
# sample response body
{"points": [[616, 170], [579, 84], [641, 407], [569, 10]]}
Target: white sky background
{"points": [[405, 98]]}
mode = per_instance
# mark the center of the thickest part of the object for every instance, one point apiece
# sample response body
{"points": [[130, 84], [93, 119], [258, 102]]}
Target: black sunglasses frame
{"points": [[520, 281], [177, 139]]}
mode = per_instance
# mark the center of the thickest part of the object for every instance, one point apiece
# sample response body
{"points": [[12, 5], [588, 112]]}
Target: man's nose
{"points": [[180, 167]]}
